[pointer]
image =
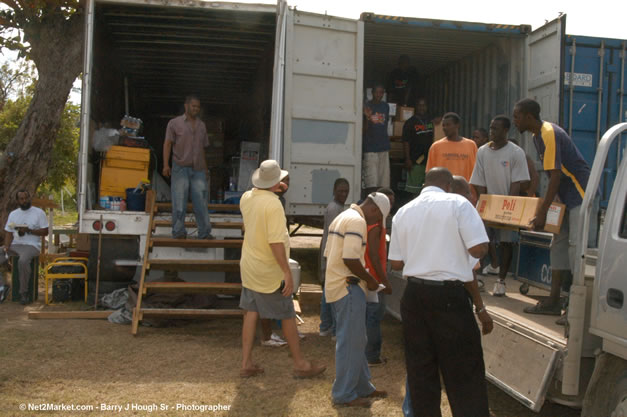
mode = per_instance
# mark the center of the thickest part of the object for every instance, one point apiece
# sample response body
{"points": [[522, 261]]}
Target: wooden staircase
{"points": [[189, 265]]}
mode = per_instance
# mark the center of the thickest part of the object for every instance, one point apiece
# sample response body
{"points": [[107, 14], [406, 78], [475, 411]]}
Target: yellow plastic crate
{"points": [[123, 167]]}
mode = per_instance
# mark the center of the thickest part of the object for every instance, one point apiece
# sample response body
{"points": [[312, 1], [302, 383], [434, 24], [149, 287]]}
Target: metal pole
{"points": [[571, 89], [98, 264], [85, 110], [621, 97], [600, 90]]}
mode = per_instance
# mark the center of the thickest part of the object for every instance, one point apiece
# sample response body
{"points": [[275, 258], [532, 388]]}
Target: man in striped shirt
{"points": [[568, 173]]}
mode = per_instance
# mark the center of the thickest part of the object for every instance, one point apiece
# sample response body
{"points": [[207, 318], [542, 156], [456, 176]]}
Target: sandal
{"points": [[247, 373], [313, 370], [542, 308]]}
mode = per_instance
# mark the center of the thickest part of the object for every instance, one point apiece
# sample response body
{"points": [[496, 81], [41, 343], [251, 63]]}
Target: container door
{"points": [[544, 68], [544, 63], [323, 109], [278, 83]]}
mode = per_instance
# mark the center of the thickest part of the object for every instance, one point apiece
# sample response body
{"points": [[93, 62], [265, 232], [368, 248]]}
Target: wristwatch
{"points": [[479, 311]]}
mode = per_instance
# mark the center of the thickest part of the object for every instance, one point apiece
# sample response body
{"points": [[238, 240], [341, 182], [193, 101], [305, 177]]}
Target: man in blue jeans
{"points": [[186, 139], [345, 289]]}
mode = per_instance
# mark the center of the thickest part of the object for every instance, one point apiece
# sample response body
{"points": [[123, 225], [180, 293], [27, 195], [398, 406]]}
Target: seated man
{"points": [[24, 229]]}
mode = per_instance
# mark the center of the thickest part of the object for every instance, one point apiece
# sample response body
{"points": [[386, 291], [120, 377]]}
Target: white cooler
{"points": [[295, 268]]}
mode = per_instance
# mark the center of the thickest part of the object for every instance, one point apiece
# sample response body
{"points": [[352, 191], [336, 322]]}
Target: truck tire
{"points": [[607, 391]]}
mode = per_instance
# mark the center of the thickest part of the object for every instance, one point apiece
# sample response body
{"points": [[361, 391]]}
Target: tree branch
{"points": [[14, 5]]}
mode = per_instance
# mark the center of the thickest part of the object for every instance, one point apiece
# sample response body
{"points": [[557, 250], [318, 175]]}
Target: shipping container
{"points": [[295, 83]]}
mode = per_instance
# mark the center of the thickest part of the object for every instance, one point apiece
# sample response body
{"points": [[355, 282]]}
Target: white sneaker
{"points": [[489, 270], [301, 335], [499, 288], [277, 338], [274, 341]]}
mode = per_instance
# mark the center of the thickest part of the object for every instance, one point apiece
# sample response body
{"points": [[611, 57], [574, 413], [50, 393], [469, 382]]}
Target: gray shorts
{"points": [[565, 243], [269, 306], [502, 235]]}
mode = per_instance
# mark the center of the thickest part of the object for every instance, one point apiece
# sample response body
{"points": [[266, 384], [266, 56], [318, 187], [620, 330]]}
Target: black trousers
{"points": [[442, 336]]}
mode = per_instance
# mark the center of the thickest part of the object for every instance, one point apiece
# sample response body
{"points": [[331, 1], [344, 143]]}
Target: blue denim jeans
{"points": [[186, 182], [327, 318], [352, 376], [408, 411], [374, 315]]}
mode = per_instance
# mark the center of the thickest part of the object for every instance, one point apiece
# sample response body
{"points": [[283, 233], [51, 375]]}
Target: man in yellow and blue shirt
{"points": [[569, 173]]}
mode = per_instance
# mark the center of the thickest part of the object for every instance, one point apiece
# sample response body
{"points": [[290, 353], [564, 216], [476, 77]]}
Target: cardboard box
{"points": [[438, 133], [397, 129], [404, 113], [517, 212]]}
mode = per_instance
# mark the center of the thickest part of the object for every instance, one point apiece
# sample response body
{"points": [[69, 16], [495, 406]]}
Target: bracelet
{"points": [[481, 310]]}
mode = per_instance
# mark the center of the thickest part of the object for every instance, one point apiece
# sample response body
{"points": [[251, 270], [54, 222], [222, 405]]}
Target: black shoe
{"points": [[377, 362], [24, 300]]}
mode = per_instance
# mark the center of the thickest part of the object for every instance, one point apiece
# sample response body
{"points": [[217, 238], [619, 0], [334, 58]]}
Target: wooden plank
{"points": [[195, 265], [214, 225], [191, 313], [193, 287], [196, 243], [60, 315], [167, 207]]}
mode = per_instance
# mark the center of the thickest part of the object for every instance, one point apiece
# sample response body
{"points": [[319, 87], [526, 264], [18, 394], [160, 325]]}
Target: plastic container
{"points": [[135, 201]]}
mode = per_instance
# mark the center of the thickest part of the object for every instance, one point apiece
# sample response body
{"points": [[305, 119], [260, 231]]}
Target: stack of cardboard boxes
{"points": [[402, 114]]}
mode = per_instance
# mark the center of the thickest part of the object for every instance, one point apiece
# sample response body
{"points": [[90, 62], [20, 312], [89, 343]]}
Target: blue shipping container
{"points": [[595, 100]]}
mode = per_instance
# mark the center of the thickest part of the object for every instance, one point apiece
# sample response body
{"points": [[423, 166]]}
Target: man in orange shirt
{"points": [[454, 152]]}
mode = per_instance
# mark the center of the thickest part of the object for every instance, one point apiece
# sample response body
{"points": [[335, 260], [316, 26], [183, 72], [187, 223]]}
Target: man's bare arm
{"points": [[355, 266], [278, 250], [167, 151], [479, 251], [486, 321], [397, 265], [554, 185]]}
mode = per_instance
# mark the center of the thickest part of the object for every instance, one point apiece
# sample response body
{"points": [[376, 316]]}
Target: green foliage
{"points": [[63, 167]]}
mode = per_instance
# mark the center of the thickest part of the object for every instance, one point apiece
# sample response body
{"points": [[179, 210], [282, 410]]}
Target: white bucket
{"points": [[295, 268]]}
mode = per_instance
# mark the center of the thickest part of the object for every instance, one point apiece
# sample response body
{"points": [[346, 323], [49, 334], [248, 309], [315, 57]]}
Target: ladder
{"points": [[151, 262]]}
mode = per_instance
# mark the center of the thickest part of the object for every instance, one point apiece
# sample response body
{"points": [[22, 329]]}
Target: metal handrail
{"points": [[577, 302]]}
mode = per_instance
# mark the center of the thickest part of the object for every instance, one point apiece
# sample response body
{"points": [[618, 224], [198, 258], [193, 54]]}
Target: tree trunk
{"points": [[57, 47]]}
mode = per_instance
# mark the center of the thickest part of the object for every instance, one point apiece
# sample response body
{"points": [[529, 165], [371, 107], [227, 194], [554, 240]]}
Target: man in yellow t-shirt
{"points": [[267, 284], [454, 152]]}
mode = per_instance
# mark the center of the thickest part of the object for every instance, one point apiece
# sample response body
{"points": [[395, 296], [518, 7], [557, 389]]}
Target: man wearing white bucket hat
{"points": [[346, 283], [267, 284]]}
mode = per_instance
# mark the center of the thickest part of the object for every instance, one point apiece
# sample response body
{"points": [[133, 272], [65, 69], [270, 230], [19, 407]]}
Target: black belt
{"points": [[434, 283], [352, 280]]}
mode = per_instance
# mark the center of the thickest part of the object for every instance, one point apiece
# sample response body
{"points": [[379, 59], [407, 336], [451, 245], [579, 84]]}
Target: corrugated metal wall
{"points": [[479, 86]]}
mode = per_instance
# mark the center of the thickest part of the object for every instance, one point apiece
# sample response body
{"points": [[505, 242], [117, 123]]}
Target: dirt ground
{"points": [[188, 370]]}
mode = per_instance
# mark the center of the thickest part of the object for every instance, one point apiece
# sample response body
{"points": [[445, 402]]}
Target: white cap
{"points": [[382, 201], [268, 174]]}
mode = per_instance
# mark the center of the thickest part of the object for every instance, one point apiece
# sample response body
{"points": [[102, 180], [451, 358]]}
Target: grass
{"points": [[94, 362], [63, 219]]}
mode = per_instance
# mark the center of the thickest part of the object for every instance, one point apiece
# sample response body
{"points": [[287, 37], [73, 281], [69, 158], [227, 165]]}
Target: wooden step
{"points": [[214, 225], [195, 243], [190, 312], [167, 207], [193, 287], [194, 265]]}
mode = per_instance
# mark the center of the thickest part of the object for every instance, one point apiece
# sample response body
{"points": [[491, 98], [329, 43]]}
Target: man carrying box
{"points": [[499, 169], [569, 174]]}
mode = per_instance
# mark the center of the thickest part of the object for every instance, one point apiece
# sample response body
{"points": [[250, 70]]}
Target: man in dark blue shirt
{"points": [[417, 139], [569, 174], [376, 142]]}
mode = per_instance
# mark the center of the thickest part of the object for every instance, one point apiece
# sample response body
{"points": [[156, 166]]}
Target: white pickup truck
{"points": [[585, 364]]}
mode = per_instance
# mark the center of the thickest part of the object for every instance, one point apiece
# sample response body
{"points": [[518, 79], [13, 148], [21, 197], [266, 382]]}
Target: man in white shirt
{"points": [[23, 231], [436, 240]]}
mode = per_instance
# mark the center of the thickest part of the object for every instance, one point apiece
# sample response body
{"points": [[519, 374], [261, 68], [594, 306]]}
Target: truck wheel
{"points": [[524, 289], [607, 391]]}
